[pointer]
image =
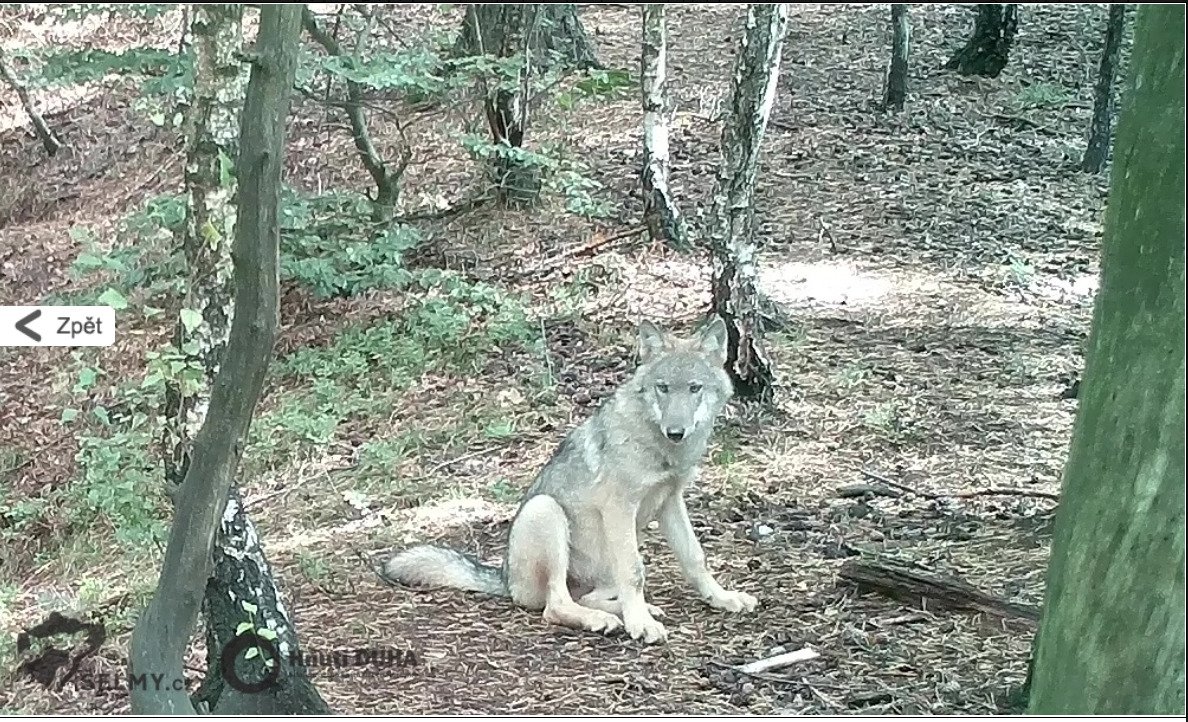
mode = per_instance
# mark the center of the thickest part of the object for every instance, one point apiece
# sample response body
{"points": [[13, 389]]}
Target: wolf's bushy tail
{"points": [[429, 566]]}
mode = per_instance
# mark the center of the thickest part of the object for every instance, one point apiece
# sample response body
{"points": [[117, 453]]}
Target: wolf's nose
{"points": [[675, 435]]}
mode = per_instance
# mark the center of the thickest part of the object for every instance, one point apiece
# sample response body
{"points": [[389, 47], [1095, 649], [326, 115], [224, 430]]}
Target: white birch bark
{"points": [[661, 215], [733, 250]]}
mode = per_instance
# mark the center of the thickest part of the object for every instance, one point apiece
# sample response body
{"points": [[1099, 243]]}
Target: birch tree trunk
{"points": [[660, 212], [163, 631], [897, 71], [212, 143], [1111, 641], [736, 296], [1098, 147], [988, 48]]}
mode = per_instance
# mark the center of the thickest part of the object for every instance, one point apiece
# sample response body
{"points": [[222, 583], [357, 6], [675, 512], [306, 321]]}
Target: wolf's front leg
{"points": [[678, 530], [626, 566]]}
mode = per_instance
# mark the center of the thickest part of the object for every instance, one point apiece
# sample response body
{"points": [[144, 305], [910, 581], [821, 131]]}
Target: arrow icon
{"points": [[23, 325]]}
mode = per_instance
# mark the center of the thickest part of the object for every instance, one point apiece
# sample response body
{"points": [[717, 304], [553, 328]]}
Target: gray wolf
{"points": [[573, 548]]}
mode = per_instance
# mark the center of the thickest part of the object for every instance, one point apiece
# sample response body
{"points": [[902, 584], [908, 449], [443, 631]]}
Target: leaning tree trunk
{"points": [[559, 40], [988, 48], [241, 570], [1111, 641], [1098, 147], [49, 139], [386, 175], [660, 212], [735, 286], [897, 71], [163, 630]]}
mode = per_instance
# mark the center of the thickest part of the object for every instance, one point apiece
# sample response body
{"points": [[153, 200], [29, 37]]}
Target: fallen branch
{"points": [[1020, 120], [850, 491], [48, 138], [992, 491], [916, 587], [463, 206], [587, 250], [779, 661]]}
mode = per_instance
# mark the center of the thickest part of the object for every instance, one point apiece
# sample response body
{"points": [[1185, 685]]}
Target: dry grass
{"points": [[938, 269]]}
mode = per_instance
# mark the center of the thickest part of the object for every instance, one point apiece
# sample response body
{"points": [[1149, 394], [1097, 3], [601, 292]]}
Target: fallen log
{"points": [[923, 589]]}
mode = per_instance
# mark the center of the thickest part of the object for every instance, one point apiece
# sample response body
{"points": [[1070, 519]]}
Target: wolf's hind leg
{"points": [[606, 600], [538, 566]]}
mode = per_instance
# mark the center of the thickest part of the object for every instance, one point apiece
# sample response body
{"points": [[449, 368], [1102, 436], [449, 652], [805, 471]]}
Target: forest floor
{"points": [[938, 267]]}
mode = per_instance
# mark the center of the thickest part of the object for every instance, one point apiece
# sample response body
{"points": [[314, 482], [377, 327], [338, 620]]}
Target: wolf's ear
{"points": [[652, 341], [712, 340]]}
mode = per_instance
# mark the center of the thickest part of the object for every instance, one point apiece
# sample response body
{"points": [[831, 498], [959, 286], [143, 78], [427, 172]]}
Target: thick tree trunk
{"points": [[1111, 641], [660, 212], [241, 570], [48, 138], [897, 71], [988, 48], [1098, 147], [558, 40], [242, 573], [736, 296], [163, 631], [505, 31]]}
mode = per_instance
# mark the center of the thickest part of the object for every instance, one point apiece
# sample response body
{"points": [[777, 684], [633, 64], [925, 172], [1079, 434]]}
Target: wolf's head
{"points": [[682, 382]]}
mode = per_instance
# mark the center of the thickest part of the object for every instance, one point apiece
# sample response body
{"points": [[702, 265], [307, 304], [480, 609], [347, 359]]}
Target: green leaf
{"points": [[69, 415], [226, 170], [252, 653], [249, 607], [87, 377], [101, 413], [266, 633], [190, 319], [243, 627], [113, 298]]}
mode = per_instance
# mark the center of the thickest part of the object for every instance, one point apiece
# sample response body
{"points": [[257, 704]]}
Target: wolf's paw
{"points": [[734, 601], [646, 628], [656, 612], [599, 621]]}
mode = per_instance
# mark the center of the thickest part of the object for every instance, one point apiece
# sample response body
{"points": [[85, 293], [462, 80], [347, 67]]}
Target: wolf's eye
{"points": [[662, 387], [694, 388]]}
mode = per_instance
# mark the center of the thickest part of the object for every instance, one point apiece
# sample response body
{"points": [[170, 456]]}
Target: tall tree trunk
{"points": [[241, 570], [1098, 147], [49, 139], [897, 71], [1111, 641], [559, 39], [505, 31], [660, 212], [736, 296], [163, 630], [988, 48]]}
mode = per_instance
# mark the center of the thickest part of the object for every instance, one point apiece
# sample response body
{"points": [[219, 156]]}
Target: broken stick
{"points": [[779, 661], [916, 587]]}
